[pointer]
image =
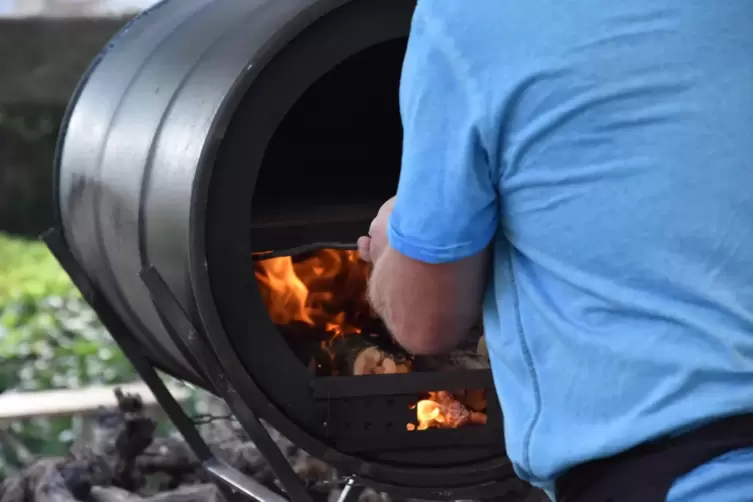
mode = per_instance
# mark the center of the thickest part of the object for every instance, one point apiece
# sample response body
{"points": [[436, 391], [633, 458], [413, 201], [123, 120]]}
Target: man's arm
{"points": [[428, 283], [428, 308]]}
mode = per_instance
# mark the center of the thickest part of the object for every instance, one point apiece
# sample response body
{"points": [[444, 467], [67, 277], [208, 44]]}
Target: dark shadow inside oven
{"points": [[336, 155]]}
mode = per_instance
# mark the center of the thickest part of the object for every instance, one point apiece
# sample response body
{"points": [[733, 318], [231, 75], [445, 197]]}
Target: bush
{"points": [[47, 331], [49, 338], [28, 268]]}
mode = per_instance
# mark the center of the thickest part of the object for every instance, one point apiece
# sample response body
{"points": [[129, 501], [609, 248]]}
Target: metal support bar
{"points": [[352, 492], [236, 486], [239, 482], [183, 332], [118, 330]]}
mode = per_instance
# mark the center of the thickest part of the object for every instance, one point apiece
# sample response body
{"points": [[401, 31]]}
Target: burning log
{"points": [[443, 410], [446, 410], [472, 354], [318, 302], [359, 355], [372, 361], [350, 354]]}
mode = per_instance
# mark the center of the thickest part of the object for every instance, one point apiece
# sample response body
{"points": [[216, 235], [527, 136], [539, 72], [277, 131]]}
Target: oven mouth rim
{"points": [[416, 480]]}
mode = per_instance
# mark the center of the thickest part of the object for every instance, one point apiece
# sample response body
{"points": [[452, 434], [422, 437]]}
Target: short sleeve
{"points": [[446, 207]]}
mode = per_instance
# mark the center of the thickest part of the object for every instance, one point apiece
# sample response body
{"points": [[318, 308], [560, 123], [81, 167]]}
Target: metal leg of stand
{"points": [[183, 332], [236, 486], [116, 328], [351, 492]]}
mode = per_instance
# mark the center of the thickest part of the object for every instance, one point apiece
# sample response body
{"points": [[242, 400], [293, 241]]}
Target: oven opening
{"points": [[331, 163], [318, 302]]}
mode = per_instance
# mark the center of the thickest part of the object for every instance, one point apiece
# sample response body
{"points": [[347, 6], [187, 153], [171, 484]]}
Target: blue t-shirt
{"points": [[605, 151]]}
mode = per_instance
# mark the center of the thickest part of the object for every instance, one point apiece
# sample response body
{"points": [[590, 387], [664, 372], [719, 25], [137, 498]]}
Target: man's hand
{"points": [[372, 247], [428, 308]]}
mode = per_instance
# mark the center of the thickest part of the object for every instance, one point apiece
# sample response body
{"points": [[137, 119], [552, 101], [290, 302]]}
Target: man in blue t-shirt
{"points": [[584, 171]]}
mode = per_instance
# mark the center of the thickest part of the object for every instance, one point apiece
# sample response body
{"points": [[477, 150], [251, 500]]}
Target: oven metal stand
{"points": [[236, 486], [351, 492]]}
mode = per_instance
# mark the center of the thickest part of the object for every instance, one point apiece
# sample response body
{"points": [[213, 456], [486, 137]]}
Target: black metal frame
{"points": [[236, 485]]}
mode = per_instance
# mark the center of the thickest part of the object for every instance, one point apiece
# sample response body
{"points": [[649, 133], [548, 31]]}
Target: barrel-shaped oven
{"points": [[217, 141]]}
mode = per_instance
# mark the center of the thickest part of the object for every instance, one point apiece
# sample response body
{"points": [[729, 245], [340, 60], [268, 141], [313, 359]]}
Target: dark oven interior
{"points": [[335, 157]]}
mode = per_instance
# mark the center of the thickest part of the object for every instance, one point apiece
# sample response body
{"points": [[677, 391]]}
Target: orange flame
{"points": [[318, 291], [328, 291], [442, 410]]}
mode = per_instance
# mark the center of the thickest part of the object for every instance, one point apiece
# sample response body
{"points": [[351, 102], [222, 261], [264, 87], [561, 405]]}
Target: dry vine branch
{"points": [[124, 459], [113, 468]]}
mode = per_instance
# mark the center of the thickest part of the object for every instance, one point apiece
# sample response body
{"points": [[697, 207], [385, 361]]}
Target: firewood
{"points": [[312, 470], [373, 361], [446, 410], [196, 493], [169, 456], [114, 468], [356, 354], [48, 480], [113, 494], [98, 472], [113, 461]]}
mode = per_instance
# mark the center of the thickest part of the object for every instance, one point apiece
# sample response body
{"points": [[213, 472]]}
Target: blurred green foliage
{"points": [[49, 338], [28, 269]]}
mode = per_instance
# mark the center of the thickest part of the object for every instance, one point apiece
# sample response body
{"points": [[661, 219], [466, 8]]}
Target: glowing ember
{"points": [[304, 291], [443, 410]]}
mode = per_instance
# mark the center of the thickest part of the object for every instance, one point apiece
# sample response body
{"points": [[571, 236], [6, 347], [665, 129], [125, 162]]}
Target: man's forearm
{"points": [[427, 308]]}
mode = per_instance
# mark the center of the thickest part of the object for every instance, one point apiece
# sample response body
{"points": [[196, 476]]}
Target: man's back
{"points": [[619, 137]]}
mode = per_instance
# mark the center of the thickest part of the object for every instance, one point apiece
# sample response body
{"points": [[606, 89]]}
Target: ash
{"points": [[124, 462]]}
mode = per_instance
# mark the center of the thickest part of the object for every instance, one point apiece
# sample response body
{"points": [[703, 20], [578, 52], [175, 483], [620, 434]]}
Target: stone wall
{"points": [[43, 59]]}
